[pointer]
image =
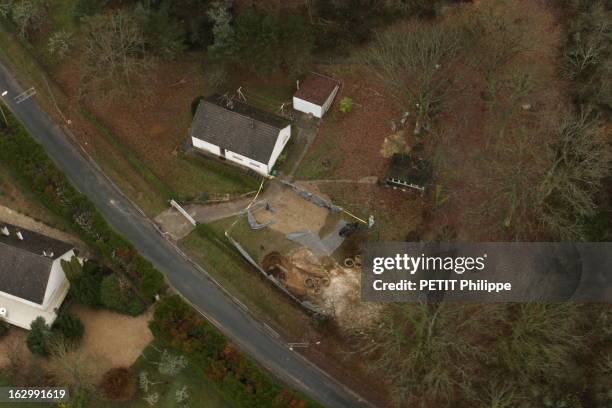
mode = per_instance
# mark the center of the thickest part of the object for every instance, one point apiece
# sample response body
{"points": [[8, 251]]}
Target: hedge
{"points": [[4, 328], [239, 378], [70, 326], [33, 169]]}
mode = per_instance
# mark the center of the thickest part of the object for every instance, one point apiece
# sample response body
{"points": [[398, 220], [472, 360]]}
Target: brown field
{"points": [[153, 126], [348, 145]]}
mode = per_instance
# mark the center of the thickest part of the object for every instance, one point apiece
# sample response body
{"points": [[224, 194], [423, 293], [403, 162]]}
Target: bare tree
{"points": [[181, 396], [427, 351], [171, 364], [414, 63], [26, 14], [500, 395], [114, 60], [494, 41], [144, 383], [581, 162], [71, 367], [543, 339], [512, 184], [23, 368], [151, 399], [60, 43]]}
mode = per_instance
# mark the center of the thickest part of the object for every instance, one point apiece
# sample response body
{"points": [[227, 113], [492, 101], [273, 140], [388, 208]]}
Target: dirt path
{"points": [[214, 212], [177, 226], [307, 134], [363, 180]]}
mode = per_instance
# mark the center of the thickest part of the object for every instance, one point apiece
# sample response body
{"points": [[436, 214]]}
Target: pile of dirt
{"points": [[301, 272], [333, 288], [342, 298]]}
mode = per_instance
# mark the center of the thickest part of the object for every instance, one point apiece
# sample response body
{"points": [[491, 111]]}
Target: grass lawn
{"points": [[258, 243], [322, 160], [220, 176], [209, 247], [290, 154], [396, 213], [202, 392], [267, 93]]}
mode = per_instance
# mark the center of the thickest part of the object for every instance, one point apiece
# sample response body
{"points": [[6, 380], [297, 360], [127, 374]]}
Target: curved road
{"points": [[194, 285]]}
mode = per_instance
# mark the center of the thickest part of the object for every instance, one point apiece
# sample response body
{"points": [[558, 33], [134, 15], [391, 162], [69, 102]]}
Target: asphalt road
{"points": [[204, 294]]}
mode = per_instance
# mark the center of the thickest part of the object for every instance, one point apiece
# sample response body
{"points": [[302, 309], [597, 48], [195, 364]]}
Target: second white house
{"points": [[32, 281], [239, 133]]}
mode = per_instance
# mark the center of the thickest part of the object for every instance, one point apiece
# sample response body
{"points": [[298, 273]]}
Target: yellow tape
{"points": [[354, 216], [256, 195]]}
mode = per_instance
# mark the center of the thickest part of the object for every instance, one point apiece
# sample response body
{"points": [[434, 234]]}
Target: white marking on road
{"points": [[241, 305], [4, 93], [24, 96], [272, 331]]}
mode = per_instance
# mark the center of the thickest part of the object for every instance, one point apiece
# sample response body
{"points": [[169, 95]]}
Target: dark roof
{"points": [[316, 88], [242, 129], [409, 168], [24, 269]]}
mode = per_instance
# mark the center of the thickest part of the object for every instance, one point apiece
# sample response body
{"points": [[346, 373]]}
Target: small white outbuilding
{"points": [[315, 94]]}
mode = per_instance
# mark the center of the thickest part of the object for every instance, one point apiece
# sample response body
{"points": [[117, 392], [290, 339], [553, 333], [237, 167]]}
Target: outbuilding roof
{"points": [[237, 127], [316, 88], [409, 168], [25, 264]]}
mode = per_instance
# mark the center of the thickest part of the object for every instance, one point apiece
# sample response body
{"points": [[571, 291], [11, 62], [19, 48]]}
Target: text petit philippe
{"points": [[413, 264]]}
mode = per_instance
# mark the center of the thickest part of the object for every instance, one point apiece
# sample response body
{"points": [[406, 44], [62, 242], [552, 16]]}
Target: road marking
{"points": [[241, 305], [271, 330], [24, 96], [4, 93], [297, 345]]}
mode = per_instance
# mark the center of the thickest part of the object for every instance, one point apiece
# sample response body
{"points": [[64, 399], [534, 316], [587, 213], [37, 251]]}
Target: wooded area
{"points": [[507, 102]]}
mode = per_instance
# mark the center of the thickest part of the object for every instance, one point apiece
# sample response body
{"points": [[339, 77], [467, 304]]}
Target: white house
{"points": [[239, 133], [315, 94], [32, 281]]}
